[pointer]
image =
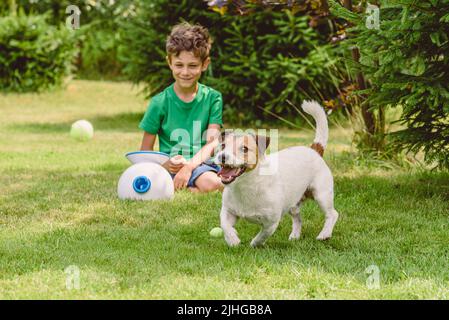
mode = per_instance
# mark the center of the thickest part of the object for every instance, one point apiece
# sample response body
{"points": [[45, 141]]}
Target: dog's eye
{"points": [[244, 149]]}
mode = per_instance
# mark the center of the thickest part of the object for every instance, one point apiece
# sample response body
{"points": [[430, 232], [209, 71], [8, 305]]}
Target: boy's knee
{"points": [[210, 186], [208, 182]]}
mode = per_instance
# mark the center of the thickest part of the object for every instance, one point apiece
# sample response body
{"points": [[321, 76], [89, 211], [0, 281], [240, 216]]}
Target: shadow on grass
{"points": [[127, 122], [172, 237]]}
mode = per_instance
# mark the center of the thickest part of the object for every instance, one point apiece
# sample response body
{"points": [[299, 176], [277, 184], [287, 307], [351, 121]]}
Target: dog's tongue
{"points": [[228, 172]]}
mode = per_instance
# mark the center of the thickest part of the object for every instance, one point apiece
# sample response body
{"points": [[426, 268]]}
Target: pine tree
{"points": [[406, 60]]}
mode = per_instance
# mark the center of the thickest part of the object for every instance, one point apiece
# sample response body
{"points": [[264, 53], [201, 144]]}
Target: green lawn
{"points": [[59, 208]]}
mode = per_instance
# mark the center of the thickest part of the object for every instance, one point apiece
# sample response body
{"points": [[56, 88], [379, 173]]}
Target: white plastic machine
{"points": [[146, 179]]}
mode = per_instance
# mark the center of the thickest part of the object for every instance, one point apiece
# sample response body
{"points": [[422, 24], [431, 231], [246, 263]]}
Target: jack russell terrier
{"points": [[262, 198]]}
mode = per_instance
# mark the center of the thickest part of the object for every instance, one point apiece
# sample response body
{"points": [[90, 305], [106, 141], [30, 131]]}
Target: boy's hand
{"points": [[174, 164], [183, 176]]}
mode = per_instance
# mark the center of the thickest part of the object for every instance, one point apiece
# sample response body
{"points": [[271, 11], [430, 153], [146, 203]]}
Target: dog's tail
{"points": [[322, 131]]}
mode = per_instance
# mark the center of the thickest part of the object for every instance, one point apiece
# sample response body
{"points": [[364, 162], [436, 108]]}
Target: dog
{"points": [[261, 198]]}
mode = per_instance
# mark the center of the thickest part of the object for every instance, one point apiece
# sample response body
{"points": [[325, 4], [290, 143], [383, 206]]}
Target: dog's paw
{"points": [[232, 241], [294, 236], [256, 244], [323, 236]]}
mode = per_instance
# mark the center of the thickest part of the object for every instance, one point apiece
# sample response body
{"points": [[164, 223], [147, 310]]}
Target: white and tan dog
{"points": [[262, 198]]}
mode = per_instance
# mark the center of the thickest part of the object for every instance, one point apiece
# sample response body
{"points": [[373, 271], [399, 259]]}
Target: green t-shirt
{"points": [[181, 126]]}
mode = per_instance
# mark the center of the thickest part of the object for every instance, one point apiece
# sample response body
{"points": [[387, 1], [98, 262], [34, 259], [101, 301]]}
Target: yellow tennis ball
{"points": [[82, 130], [216, 232]]}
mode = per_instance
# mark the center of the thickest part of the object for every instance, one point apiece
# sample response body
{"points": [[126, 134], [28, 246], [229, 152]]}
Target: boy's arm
{"points": [[148, 141], [148, 145], [213, 132], [183, 176]]}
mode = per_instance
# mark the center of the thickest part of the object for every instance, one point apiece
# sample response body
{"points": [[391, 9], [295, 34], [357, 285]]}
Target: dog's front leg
{"points": [[268, 229], [228, 220]]}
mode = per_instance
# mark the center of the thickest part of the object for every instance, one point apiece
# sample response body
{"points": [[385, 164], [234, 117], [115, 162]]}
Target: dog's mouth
{"points": [[229, 174]]}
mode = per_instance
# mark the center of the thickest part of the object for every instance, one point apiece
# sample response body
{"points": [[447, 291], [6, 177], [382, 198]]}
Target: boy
{"points": [[187, 115]]}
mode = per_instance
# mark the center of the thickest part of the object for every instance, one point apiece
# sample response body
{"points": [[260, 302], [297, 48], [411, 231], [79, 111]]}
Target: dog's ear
{"points": [[222, 137], [224, 134], [262, 143]]}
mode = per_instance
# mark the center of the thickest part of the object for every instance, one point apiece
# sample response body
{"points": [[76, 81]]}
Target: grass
{"points": [[58, 208]]}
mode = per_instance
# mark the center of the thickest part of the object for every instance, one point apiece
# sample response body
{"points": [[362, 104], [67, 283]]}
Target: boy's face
{"points": [[186, 68]]}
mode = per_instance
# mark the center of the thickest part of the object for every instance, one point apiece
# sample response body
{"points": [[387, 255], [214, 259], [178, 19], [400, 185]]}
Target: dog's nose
{"points": [[222, 158]]}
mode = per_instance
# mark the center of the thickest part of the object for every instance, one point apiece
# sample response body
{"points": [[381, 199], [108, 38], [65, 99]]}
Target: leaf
{"points": [[341, 12], [415, 66], [445, 18], [435, 37]]}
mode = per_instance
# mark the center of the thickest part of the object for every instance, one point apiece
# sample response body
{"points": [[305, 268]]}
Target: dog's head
{"points": [[239, 153]]}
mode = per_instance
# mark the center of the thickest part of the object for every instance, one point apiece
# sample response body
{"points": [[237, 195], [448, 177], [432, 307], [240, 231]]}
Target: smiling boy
{"points": [[187, 116]]}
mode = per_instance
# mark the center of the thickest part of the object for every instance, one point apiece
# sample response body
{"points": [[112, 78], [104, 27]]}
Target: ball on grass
{"points": [[216, 232], [82, 130]]}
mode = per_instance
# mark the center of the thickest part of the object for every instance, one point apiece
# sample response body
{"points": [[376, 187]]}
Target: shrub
{"points": [[98, 52], [406, 62], [34, 55], [258, 60], [97, 37]]}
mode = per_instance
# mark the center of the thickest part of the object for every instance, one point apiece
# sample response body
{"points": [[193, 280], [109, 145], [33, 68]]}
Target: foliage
{"points": [[97, 37], [269, 58], [259, 61], [98, 56], [91, 10], [242, 7], [407, 64], [35, 55]]}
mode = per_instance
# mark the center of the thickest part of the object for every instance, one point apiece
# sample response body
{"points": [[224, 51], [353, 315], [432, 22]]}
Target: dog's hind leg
{"points": [[325, 200], [227, 221], [296, 222], [267, 230]]}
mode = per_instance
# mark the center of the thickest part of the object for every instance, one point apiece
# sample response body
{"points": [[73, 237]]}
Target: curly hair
{"points": [[187, 37]]}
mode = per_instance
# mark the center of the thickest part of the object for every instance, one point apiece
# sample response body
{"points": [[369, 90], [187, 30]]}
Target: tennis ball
{"points": [[82, 130], [216, 232]]}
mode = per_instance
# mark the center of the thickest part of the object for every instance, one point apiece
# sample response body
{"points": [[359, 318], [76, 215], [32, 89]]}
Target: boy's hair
{"points": [[187, 37]]}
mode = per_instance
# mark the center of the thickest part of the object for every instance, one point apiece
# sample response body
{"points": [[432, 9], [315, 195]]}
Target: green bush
{"points": [[98, 53], [34, 55], [97, 37], [406, 62], [259, 60], [271, 57]]}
